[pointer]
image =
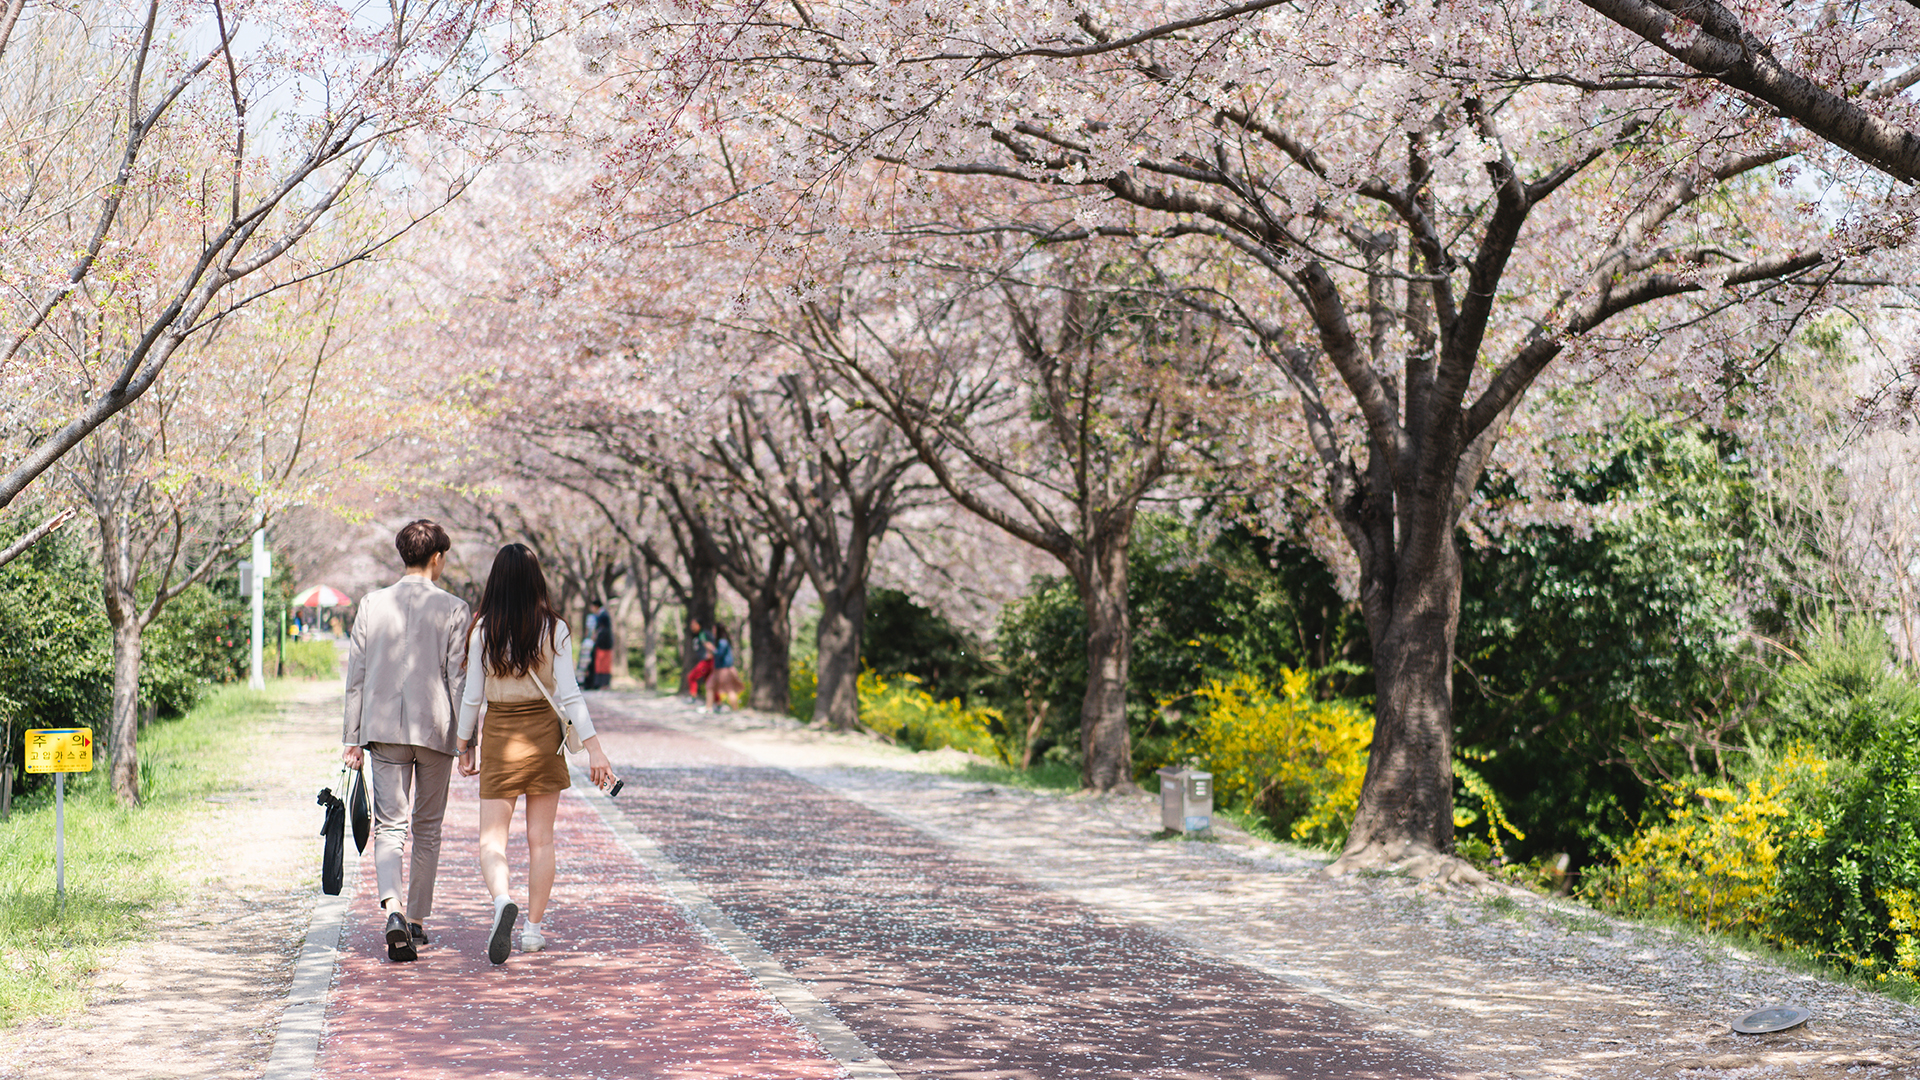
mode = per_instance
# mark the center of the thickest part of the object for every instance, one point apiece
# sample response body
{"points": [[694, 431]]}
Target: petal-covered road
{"points": [[943, 966], [627, 987]]}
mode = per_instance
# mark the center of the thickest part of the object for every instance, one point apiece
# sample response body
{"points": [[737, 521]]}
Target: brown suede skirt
{"points": [[519, 751]]}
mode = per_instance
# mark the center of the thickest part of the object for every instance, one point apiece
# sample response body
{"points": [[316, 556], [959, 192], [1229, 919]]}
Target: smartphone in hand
{"points": [[614, 788]]}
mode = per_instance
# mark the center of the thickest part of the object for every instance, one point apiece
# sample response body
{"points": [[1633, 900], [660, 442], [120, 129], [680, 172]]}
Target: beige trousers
{"points": [[409, 791]]}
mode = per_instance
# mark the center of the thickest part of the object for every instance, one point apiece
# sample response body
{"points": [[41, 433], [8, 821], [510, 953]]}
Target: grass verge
{"points": [[1046, 776], [119, 860]]}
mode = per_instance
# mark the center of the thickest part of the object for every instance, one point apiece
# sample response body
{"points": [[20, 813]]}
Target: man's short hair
{"points": [[420, 541]]}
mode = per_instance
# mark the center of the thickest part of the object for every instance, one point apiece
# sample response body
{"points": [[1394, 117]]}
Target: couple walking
{"points": [[420, 668]]}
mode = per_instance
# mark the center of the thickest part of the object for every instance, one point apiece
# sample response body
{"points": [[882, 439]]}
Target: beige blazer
{"points": [[403, 666]]}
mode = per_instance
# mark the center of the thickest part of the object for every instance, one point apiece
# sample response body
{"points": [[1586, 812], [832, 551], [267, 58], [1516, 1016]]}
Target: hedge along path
{"points": [[201, 995], [1511, 986]]}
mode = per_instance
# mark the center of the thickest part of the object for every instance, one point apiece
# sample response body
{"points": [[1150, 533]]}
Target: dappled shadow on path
{"points": [[948, 968]]}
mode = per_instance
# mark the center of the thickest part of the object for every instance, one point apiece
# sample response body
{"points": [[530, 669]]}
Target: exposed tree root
{"points": [[1413, 860]]}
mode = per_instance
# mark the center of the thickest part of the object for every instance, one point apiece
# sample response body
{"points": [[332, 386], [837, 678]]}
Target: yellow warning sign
{"points": [[60, 749]]}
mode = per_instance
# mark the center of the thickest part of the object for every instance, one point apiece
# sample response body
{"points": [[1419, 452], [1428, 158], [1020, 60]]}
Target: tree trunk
{"points": [[1406, 800], [123, 723], [703, 579], [649, 603], [843, 614], [770, 638], [622, 616], [1036, 723], [650, 650], [1106, 747]]}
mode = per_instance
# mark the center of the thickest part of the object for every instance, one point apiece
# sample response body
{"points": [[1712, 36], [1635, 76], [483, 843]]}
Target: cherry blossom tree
{"points": [[1052, 409], [829, 476], [640, 461], [282, 406], [1418, 213], [163, 166]]}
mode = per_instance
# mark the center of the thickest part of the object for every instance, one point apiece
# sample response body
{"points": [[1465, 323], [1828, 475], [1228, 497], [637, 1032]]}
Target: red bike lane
{"points": [[627, 987]]}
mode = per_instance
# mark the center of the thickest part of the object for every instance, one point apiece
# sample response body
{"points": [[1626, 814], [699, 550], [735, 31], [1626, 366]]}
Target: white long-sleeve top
{"points": [[556, 673]]}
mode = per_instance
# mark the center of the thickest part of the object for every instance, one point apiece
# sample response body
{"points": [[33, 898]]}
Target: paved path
{"points": [[945, 967], [627, 986]]}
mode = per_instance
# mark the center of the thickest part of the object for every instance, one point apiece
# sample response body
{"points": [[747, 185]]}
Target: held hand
{"points": [[469, 766], [352, 756], [600, 767]]}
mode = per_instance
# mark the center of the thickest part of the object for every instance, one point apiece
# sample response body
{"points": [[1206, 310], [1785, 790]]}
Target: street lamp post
{"points": [[262, 568]]}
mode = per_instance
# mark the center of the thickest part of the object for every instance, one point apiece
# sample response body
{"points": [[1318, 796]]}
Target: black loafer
{"points": [[419, 934], [500, 946], [400, 939]]}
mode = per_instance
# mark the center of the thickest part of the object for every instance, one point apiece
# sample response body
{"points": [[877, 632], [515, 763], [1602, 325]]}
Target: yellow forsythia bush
{"points": [[1293, 757], [896, 706], [1715, 858]]}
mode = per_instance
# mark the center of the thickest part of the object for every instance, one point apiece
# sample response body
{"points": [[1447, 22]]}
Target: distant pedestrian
{"points": [[602, 623], [702, 651], [726, 684], [403, 676], [517, 667]]}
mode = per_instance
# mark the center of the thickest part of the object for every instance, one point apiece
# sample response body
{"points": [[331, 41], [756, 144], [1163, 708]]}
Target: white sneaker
{"points": [[531, 939]]}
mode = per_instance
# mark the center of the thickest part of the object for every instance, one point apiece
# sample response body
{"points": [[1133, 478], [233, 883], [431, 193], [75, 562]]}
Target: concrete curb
{"points": [[296, 1040], [810, 1012]]}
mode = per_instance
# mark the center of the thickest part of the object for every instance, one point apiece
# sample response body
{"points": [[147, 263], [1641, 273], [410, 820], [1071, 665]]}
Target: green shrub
{"points": [[1844, 692], [1850, 873], [313, 658], [199, 640], [902, 637], [1202, 607], [666, 666], [55, 669], [1571, 636]]}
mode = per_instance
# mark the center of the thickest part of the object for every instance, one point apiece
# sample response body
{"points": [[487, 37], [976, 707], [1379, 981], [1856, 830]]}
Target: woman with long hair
{"points": [[516, 665]]}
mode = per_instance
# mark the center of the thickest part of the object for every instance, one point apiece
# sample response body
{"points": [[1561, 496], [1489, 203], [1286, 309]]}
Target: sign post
{"points": [[59, 751]]}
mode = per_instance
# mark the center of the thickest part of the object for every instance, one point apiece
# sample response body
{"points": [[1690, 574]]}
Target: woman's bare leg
{"points": [[541, 810], [496, 816]]}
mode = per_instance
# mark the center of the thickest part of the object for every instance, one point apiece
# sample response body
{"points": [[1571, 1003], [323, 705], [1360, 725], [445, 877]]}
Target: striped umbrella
{"points": [[322, 596]]}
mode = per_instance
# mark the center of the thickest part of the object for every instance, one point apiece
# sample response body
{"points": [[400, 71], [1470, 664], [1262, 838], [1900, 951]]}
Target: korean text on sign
{"points": [[58, 750]]}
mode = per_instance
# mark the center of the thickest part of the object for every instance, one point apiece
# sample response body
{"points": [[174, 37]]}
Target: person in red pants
{"points": [[702, 657]]}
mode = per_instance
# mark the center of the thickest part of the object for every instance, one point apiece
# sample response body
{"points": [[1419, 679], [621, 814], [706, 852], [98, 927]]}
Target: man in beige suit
{"points": [[404, 677]]}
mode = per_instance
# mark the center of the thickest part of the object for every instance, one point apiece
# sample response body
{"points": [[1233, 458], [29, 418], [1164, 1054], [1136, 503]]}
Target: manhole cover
{"points": [[1777, 1018]]}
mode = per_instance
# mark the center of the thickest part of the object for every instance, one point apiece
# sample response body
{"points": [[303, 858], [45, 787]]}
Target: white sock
{"points": [[535, 927], [500, 904]]}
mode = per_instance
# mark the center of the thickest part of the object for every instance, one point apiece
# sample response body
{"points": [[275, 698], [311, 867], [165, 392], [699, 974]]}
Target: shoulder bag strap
{"points": [[570, 739]]}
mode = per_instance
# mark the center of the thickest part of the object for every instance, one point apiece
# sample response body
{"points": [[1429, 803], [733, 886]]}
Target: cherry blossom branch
{"points": [[14, 8], [35, 535], [1711, 39]]}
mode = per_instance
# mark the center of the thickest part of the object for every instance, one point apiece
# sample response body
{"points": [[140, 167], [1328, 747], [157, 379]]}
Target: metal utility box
{"points": [[1186, 799]]}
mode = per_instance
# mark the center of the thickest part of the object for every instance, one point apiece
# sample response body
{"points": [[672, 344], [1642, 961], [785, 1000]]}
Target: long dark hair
{"points": [[519, 618]]}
